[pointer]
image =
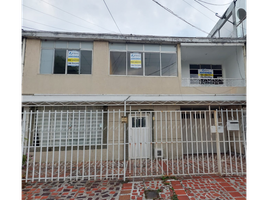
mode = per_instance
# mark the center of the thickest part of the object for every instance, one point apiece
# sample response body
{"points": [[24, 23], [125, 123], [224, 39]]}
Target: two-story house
{"points": [[123, 98]]}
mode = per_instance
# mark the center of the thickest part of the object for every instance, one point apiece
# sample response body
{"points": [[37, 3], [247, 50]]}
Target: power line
{"points": [[213, 4], [205, 7], [57, 17], [199, 11], [77, 17], [167, 9], [112, 16], [44, 24]]}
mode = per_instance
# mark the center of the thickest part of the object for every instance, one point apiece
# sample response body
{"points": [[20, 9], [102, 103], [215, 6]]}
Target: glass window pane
{"points": [[86, 60], [47, 44], [118, 63], [169, 64], [216, 66], [86, 45], [61, 44], [46, 61], [152, 64], [193, 71], [117, 46], [73, 62], [59, 61], [194, 67], [74, 45], [151, 47], [171, 48], [135, 63], [205, 66], [138, 47]]}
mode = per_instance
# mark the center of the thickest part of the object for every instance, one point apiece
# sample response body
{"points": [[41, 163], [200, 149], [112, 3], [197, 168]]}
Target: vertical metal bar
{"points": [[161, 119], [217, 142], [130, 145], [211, 140], [192, 144], [107, 150], [187, 141], [244, 139], [125, 114], [35, 138], [66, 141], [29, 139], [140, 119], [150, 140], [206, 140], [90, 149], [171, 142], [118, 141], [48, 129], [182, 155], [72, 147], [96, 138], [177, 150], [77, 150], [202, 146], [59, 145], [85, 116], [144, 139], [41, 145], [53, 151], [229, 142], [113, 143], [239, 142], [23, 133], [234, 145], [135, 142], [197, 141], [156, 140], [166, 139], [101, 144], [223, 135]]}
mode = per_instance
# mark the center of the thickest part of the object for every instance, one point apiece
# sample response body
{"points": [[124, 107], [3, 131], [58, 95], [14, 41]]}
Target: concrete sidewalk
{"points": [[186, 187]]}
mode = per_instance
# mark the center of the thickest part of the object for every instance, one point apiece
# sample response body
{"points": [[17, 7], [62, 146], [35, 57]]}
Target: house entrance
{"points": [[139, 135]]}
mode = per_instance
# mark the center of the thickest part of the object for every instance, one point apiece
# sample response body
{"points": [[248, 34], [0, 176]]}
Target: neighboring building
{"points": [[233, 23], [69, 75]]}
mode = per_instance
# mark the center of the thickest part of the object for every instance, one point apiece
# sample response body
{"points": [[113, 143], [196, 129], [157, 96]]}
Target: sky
{"points": [[139, 17]]}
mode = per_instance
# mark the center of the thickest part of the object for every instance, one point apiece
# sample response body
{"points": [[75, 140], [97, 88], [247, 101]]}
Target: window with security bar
{"points": [[206, 74], [67, 127]]}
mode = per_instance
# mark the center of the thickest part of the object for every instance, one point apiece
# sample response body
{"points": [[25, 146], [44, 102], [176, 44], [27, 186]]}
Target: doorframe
{"points": [[148, 115]]}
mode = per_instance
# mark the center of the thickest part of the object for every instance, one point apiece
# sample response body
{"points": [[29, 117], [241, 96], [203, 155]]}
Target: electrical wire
{"points": [[167, 9], [205, 7], [199, 11], [213, 4], [57, 17], [44, 24], [77, 16], [112, 16]]}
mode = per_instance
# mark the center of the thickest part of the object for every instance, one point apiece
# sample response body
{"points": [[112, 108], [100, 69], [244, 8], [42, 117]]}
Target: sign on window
{"points": [[205, 73], [73, 58], [135, 60]]}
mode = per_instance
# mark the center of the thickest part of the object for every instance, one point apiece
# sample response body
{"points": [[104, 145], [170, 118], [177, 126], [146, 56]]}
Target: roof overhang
{"points": [[48, 35], [117, 100]]}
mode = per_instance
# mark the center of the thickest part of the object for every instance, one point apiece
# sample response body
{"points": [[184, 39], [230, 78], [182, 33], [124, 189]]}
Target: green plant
{"points": [[159, 190]]}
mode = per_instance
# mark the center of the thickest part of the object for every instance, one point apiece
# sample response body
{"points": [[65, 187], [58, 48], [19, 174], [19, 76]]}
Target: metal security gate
{"points": [[95, 144]]}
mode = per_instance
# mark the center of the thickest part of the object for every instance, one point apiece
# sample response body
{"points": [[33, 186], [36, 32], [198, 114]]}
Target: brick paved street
{"points": [[187, 187]]}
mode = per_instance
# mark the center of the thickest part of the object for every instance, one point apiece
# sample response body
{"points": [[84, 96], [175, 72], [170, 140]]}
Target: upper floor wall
{"points": [[102, 67]]}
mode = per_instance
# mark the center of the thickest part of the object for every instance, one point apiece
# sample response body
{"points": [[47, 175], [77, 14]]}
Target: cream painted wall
{"points": [[100, 82]]}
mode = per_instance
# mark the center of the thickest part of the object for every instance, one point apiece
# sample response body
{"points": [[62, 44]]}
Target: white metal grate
{"points": [[184, 138]]}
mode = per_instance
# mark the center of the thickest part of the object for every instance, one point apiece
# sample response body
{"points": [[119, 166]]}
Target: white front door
{"points": [[139, 136]]}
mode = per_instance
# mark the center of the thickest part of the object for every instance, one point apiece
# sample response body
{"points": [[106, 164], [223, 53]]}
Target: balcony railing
{"points": [[213, 82]]}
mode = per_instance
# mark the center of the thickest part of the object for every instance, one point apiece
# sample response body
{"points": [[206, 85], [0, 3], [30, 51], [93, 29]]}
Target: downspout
{"points": [[22, 57]]}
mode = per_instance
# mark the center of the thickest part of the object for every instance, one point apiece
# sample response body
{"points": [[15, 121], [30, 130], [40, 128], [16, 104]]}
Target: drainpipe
{"points": [[22, 56]]}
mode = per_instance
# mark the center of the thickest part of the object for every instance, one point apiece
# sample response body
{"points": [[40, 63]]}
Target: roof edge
{"points": [[49, 35]]}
